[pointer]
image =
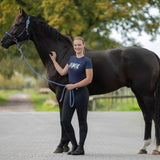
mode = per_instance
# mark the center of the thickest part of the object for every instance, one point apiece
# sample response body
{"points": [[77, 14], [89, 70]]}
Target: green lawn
{"points": [[119, 105]]}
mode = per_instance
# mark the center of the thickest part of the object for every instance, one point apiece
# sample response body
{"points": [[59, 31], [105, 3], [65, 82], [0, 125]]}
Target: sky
{"points": [[144, 40]]}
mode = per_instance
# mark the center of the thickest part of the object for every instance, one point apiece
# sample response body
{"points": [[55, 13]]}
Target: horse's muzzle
{"points": [[6, 42]]}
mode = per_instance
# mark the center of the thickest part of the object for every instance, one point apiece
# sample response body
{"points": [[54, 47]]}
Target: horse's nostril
{"points": [[1, 41]]}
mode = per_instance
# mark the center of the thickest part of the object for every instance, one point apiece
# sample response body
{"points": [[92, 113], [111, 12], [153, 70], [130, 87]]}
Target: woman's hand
{"points": [[53, 56], [70, 86], [60, 70]]}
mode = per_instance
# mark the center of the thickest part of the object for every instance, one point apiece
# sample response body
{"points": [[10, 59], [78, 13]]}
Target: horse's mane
{"points": [[52, 31]]}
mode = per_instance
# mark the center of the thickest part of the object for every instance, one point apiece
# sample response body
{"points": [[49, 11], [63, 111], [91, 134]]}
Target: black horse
{"points": [[134, 67]]}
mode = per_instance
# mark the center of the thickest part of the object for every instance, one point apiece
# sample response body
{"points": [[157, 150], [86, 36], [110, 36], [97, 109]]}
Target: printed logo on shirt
{"points": [[74, 65]]}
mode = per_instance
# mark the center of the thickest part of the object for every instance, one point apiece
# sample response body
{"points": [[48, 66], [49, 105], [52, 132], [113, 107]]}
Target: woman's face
{"points": [[78, 46]]}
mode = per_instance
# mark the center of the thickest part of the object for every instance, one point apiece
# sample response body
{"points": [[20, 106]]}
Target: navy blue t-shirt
{"points": [[77, 67]]}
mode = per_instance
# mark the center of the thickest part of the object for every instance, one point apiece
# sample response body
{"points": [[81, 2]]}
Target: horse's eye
{"points": [[17, 24]]}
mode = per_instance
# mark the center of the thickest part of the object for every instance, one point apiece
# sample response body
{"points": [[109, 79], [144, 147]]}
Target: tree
{"points": [[85, 18], [92, 19]]}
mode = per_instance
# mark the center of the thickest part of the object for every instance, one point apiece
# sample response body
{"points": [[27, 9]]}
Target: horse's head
{"points": [[18, 31]]}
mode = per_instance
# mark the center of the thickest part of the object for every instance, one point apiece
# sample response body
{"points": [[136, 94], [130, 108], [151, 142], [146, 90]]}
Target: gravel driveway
{"points": [[35, 135]]}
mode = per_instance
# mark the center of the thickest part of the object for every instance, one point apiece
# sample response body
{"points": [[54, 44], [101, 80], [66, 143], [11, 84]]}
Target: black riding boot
{"points": [[74, 147], [79, 151]]}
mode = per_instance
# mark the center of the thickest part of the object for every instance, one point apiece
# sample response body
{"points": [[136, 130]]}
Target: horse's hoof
{"points": [[58, 150], [155, 152], [142, 151], [66, 149]]}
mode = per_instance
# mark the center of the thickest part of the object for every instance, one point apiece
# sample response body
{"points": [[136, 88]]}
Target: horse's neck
{"points": [[46, 40]]}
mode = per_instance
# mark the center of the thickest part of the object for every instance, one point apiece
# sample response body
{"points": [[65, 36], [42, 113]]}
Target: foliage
{"points": [[15, 82], [19, 82], [13, 62], [99, 17]]}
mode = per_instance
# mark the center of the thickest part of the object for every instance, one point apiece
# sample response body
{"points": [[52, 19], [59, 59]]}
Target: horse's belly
{"points": [[107, 78], [104, 85]]}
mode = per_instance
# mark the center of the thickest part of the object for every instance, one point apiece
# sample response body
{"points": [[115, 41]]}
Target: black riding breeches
{"points": [[81, 98]]}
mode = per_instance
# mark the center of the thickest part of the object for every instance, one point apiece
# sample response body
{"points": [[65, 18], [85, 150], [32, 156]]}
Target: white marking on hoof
{"points": [[156, 148], [146, 143], [155, 152]]}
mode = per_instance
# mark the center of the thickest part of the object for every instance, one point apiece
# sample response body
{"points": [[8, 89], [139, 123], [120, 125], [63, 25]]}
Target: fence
{"points": [[121, 96]]}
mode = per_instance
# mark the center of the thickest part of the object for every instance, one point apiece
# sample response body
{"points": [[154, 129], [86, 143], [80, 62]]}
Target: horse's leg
{"points": [[63, 145], [157, 133], [146, 104], [148, 116], [156, 118]]}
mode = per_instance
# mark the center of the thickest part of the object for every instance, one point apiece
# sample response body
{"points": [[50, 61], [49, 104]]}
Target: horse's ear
{"points": [[21, 11]]}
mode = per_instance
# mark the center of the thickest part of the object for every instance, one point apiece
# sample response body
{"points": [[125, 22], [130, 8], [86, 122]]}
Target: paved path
{"points": [[35, 135], [18, 102]]}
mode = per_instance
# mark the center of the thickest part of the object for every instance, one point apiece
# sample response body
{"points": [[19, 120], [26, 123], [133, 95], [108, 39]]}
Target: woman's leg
{"points": [[82, 98], [67, 114]]}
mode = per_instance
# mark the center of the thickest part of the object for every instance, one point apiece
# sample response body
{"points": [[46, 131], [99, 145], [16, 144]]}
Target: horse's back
{"points": [[134, 67], [141, 68], [107, 67]]}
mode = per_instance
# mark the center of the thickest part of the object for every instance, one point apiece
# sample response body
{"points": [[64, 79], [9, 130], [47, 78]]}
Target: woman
{"points": [[79, 69]]}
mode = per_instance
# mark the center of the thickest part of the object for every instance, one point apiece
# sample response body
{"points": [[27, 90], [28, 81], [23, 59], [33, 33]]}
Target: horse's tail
{"points": [[157, 105]]}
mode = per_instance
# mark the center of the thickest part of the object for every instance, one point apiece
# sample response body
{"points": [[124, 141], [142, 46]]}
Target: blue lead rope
{"points": [[71, 93]]}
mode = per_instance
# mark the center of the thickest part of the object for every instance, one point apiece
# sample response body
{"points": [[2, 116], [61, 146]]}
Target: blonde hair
{"points": [[78, 38]]}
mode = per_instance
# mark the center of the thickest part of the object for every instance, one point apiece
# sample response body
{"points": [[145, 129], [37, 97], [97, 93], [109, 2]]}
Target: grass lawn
{"points": [[123, 105]]}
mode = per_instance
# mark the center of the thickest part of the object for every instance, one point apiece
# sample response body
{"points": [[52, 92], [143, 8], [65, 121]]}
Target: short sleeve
{"points": [[88, 63]]}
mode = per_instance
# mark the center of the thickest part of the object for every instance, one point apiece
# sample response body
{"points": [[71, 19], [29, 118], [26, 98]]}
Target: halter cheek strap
{"points": [[25, 29], [27, 24]]}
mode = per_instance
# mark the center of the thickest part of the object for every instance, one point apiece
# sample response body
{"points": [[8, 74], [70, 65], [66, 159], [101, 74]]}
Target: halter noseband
{"points": [[25, 29]]}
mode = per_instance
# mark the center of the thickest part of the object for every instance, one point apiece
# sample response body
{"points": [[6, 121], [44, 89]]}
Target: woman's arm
{"points": [[60, 70], [84, 82]]}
